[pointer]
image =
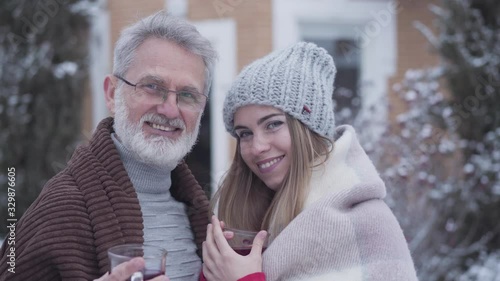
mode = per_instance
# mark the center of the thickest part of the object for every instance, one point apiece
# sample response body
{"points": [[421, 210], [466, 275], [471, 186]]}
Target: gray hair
{"points": [[163, 26]]}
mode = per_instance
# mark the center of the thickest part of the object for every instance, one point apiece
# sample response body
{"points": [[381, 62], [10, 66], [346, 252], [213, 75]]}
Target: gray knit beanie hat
{"points": [[298, 80]]}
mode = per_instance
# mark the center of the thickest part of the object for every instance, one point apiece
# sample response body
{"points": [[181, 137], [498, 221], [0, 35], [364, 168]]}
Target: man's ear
{"points": [[109, 93]]}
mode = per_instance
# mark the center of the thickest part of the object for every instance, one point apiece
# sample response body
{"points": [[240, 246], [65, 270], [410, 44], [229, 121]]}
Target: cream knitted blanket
{"points": [[346, 232]]}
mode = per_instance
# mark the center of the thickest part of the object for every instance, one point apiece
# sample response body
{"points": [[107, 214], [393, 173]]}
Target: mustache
{"points": [[162, 120]]}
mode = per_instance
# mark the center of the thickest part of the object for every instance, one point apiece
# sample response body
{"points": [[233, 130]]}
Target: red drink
{"points": [[245, 251], [150, 274], [242, 241], [154, 257]]}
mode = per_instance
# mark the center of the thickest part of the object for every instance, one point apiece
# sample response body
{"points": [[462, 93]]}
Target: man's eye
{"points": [[152, 86], [152, 89], [188, 96]]}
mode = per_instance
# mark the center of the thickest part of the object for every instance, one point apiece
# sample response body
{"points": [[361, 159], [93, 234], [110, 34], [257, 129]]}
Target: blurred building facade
{"points": [[373, 43]]}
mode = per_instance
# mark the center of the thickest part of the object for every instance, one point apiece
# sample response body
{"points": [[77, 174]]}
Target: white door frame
{"points": [[222, 35], [100, 66]]}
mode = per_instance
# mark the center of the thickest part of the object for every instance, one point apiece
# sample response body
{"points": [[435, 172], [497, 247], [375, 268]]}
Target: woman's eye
{"points": [[274, 124], [243, 134]]}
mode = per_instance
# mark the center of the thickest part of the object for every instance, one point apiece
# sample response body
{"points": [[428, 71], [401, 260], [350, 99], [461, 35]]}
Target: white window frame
{"points": [[378, 53], [100, 66], [222, 34]]}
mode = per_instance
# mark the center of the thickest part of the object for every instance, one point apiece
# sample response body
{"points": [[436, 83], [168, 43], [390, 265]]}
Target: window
{"points": [[346, 55]]}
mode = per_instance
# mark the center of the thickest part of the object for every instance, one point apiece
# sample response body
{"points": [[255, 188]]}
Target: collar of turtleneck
{"points": [[146, 178]]}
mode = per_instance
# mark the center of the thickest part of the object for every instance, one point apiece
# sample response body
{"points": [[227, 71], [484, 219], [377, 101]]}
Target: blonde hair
{"points": [[245, 202]]}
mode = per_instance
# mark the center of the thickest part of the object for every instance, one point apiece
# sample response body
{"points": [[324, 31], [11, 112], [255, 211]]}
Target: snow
{"points": [[85, 7], [468, 168], [451, 225], [484, 180], [12, 100], [446, 146], [434, 188], [402, 171], [411, 95], [405, 133], [65, 68], [431, 178], [496, 189], [447, 112], [426, 131], [485, 268], [496, 155]]}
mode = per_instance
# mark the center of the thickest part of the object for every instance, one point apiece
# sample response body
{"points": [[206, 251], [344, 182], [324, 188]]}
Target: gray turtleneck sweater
{"points": [[166, 223]]}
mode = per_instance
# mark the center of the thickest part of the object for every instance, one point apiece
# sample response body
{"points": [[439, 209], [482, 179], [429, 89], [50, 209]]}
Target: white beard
{"points": [[159, 151]]}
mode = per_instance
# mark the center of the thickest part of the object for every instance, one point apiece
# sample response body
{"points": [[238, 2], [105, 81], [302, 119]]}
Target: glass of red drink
{"points": [[155, 259], [242, 240]]}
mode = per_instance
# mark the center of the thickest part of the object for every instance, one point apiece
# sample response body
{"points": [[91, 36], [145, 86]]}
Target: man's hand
{"points": [[222, 263], [124, 270]]}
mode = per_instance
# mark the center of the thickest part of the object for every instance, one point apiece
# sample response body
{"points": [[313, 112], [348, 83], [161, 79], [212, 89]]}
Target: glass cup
{"points": [[242, 240], [155, 259]]}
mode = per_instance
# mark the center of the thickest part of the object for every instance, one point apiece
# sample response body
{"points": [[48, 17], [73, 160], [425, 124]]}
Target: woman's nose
{"points": [[260, 144]]}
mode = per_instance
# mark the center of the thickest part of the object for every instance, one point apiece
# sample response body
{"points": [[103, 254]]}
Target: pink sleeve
{"points": [[202, 276], [257, 276]]}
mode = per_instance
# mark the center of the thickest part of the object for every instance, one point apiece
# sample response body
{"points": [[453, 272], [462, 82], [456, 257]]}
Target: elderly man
{"points": [[128, 184]]}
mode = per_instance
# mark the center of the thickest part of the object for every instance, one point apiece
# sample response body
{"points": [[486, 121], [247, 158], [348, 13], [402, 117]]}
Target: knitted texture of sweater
{"points": [[87, 208]]}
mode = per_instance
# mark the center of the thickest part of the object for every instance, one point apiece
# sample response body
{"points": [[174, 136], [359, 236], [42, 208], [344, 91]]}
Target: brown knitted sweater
{"points": [[87, 208]]}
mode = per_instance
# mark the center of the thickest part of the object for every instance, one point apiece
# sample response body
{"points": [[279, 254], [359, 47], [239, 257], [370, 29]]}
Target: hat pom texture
{"points": [[298, 80]]}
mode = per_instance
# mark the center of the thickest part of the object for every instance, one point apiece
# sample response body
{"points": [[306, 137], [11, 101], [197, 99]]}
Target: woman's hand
{"points": [[221, 263], [123, 271]]}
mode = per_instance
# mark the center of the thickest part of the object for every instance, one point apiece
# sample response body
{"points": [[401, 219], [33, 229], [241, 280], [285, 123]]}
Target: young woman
{"points": [[311, 186]]}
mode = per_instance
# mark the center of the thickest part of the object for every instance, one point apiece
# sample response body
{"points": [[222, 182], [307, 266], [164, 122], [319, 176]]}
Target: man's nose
{"points": [[169, 106]]}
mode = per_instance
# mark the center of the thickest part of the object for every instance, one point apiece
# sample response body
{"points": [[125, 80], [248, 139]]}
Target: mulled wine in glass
{"points": [[155, 259], [242, 240]]}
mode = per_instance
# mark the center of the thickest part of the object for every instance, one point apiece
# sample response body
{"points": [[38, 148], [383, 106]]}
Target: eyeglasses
{"points": [[152, 93]]}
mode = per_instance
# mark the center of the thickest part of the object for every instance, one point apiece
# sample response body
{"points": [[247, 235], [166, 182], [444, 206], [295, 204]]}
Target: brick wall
{"points": [[253, 20], [125, 12], [413, 49], [122, 13], [253, 24], [253, 29]]}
